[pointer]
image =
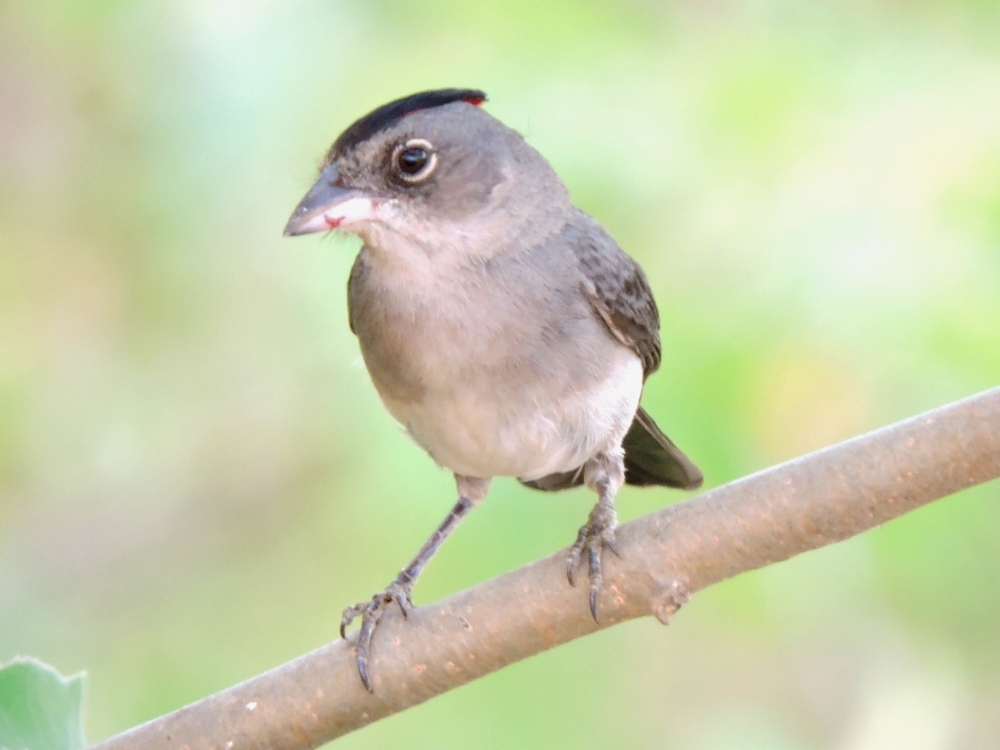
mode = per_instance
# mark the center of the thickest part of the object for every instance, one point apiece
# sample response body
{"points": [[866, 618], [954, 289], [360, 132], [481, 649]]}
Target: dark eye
{"points": [[415, 160]]}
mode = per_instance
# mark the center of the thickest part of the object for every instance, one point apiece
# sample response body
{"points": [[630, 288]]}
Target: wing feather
{"points": [[619, 292]]}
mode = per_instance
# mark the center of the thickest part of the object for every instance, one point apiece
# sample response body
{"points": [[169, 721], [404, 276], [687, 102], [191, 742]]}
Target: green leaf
{"points": [[39, 709]]}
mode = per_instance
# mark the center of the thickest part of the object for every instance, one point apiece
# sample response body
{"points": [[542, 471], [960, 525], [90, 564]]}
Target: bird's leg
{"points": [[471, 490], [604, 474]]}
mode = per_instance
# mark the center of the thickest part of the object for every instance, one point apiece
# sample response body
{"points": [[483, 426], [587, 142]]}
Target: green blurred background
{"points": [[196, 475]]}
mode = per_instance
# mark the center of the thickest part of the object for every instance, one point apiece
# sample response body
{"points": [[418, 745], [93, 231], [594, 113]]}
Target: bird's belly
{"points": [[501, 372], [524, 430]]}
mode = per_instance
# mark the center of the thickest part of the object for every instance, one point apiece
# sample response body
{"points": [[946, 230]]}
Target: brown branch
{"points": [[807, 503]]}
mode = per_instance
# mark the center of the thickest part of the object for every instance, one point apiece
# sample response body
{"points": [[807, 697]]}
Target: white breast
{"points": [[529, 429]]}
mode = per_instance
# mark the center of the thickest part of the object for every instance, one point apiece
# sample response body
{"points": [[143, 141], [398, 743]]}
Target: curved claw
{"points": [[574, 552], [612, 544], [594, 536], [348, 617], [368, 625], [402, 598], [371, 614], [595, 578], [571, 562], [363, 671]]}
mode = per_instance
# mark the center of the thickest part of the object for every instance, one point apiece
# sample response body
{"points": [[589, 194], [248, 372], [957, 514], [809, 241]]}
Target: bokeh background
{"points": [[196, 475]]}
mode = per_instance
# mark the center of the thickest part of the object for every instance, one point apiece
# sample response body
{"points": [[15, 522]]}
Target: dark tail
{"points": [[650, 458]]}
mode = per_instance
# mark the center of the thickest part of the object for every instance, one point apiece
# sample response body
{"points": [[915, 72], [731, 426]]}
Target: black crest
{"points": [[381, 118]]}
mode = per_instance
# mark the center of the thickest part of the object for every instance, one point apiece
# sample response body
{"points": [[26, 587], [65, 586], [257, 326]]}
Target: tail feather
{"points": [[651, 458]]}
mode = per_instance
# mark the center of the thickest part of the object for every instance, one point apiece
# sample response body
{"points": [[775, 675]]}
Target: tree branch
{"points": [[801, 505]]}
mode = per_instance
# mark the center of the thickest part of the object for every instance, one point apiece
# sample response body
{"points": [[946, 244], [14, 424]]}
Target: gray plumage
{"points": [[501, 326]]}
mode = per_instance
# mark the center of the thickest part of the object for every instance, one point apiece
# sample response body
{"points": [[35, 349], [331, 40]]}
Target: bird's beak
{"points": [[328, 205]]}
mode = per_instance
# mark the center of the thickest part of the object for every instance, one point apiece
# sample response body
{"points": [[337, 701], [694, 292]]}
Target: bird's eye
{"points": [[412, 160], [415, 160]]}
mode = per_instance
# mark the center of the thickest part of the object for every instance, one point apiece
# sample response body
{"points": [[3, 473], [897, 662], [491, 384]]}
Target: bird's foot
{"points": [[594, 536], [371, 614]]}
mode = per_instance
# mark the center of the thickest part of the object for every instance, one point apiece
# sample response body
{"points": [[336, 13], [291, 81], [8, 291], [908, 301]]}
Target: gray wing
{"points": [[619, 292], [357, 272]]}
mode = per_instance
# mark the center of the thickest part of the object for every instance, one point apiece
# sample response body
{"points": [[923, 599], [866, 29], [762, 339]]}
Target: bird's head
{"points": [[432, 169]]}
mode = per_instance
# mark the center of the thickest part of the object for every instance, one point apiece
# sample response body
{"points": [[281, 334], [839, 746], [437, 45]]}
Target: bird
{"points": [[502, 326]]}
